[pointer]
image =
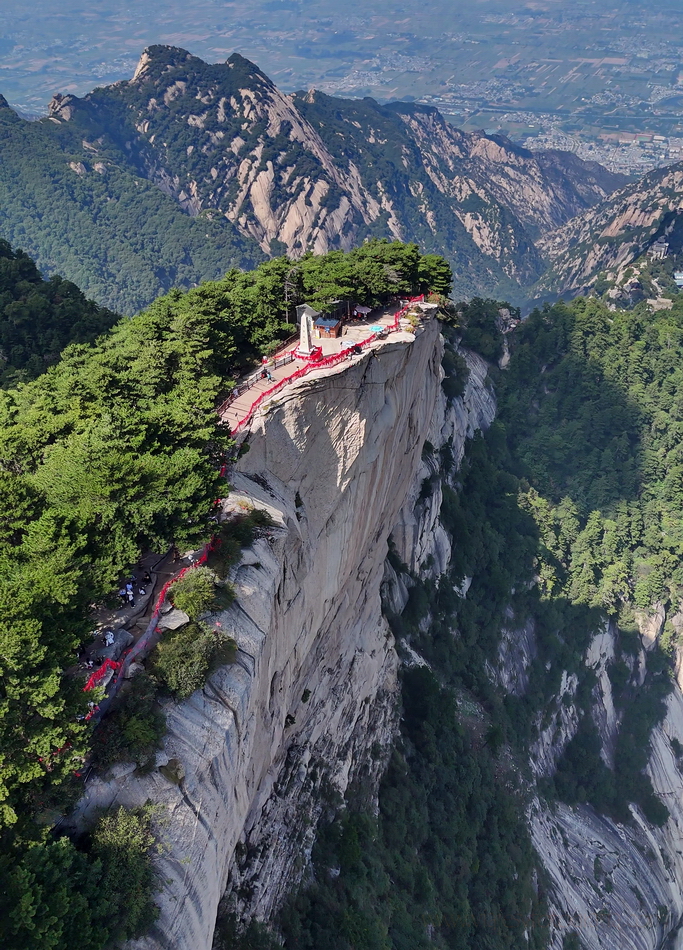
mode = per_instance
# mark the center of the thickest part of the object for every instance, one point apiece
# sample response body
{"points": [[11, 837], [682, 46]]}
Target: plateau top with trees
{"points": [[115, 450]]}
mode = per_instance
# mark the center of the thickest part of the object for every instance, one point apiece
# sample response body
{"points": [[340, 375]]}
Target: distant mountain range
{"points": [[612, 234], [189, 169]]}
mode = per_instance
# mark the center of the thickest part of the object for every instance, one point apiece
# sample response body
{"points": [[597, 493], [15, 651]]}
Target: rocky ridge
{"points": [[308, 709], [312, 172], [611, 235]]}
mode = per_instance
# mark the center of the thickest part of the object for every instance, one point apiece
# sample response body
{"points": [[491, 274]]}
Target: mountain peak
{"points": [[245, 68], [61, 107], [161, 57], [158, 60]]}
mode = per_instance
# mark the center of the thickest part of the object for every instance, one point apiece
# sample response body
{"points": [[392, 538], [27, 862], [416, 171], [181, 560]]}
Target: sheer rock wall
{"points": [[251, 761], [619, 887]]}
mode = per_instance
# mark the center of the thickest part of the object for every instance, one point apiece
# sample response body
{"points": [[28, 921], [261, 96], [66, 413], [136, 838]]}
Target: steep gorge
{"points": [[308, 712], [615, 885], [310, 704]]}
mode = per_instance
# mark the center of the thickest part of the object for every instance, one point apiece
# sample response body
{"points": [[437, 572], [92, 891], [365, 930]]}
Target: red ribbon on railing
{"points": [[96, 678], [325, 362], [151, 626], [128, 657]]}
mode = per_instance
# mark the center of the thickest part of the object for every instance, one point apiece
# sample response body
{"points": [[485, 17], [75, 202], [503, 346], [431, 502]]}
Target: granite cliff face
{"points": [[613, 234], [309, 706], [541, 189], [619, 887], [312, 172]]}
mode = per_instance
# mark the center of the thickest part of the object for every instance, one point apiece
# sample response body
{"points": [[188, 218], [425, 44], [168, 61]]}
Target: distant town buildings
{"points": [[625, 152]]}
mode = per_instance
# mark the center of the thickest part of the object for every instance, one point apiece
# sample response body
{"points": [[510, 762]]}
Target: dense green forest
{"points": [[576, 482], [593, 404], [95, 220], [38, 318], [115, 450], [567, 512]]}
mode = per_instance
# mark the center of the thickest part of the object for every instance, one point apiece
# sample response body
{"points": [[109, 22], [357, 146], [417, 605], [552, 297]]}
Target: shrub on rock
{"points": [[185, 660], [195, 593]]}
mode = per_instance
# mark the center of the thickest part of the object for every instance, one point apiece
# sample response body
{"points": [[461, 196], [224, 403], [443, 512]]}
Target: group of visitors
{"points": [[127, 592], [84, 661]]}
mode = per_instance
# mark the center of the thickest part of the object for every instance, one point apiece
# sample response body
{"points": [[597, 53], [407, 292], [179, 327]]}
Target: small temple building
{"points": [[327, 327], [659, 250]]}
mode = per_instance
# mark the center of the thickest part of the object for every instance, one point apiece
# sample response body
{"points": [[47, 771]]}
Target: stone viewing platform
{"points": [[288, 363]]}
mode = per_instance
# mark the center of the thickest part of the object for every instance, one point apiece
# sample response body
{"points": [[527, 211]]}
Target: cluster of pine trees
{"points": [[38, 318], [115, 450]]}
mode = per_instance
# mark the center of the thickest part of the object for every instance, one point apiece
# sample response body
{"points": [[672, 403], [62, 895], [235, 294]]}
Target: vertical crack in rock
{"points": [[317, 699]]}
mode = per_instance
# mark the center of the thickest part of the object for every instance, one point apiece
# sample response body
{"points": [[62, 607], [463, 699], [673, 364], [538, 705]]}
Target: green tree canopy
{"points": [[38, 318]]}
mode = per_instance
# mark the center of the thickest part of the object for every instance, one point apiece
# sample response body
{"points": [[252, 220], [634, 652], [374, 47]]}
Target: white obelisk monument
{"points": [[306, 335], [305, 316]]}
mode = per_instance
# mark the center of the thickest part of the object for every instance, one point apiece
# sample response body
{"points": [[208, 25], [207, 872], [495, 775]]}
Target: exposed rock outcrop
{"points": [[613, 234], [309, 707], [311, 172], [651, 624], [461, 162], [599, 656], [420, 540], [516, 651], [619, 887]]}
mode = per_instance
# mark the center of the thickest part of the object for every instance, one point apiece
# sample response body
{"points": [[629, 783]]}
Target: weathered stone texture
{"points": [[309, 707]]}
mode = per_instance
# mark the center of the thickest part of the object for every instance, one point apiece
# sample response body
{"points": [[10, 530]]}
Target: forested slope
{"points": [[38, 318], [99, 223]]}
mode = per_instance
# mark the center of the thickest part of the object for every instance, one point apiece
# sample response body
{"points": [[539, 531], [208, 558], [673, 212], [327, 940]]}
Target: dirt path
{"points": [[133, 619]]}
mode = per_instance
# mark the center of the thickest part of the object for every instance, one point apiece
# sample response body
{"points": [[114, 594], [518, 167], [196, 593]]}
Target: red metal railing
{"points": [[319, 364], [143, 644], [275, 363]]}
